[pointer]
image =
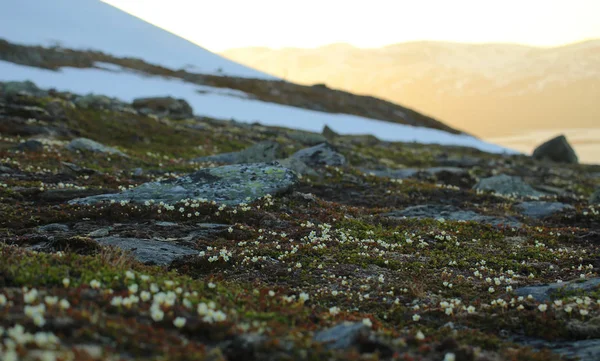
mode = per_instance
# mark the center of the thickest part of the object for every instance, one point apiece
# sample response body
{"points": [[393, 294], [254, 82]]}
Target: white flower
{"points": [[156, 313], [543, 307], [367, 322], [449, 357], [66, 282], [303, 296], [416, 318], [491, 290], [133, 288], [271, 293], [420, 336], [3, 299], [568, 309], [51, 301], [145, 296], [95, 284], [130, 275], [583, 312], [471, 309], [64, 304], [179, 322], [334, 310]]}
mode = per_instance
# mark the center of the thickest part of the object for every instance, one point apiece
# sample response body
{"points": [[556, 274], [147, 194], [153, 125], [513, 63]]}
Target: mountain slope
{"points": [[91, 24], [489, 89]]}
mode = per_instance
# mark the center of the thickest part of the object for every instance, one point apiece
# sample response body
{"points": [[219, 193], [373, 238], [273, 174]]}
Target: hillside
{"points": [[491, 90]]}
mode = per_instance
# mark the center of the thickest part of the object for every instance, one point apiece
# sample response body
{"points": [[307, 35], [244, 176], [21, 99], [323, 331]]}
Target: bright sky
{"points": [[223, 24]]}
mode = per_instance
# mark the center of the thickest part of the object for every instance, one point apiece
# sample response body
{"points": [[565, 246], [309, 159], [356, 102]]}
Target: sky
{"points": [[218, 25]]}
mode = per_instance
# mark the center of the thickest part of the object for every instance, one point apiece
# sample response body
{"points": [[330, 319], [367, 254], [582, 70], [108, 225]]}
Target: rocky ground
{"points": [[128, 233]]}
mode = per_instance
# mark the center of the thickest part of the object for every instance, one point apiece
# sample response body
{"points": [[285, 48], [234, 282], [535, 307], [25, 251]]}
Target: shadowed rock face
{"points": [[232, 184], [557, 150], [319, 155]]}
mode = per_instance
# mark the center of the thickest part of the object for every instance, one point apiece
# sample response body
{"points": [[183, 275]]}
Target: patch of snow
{"points": [[129, 85], [92, 24]]}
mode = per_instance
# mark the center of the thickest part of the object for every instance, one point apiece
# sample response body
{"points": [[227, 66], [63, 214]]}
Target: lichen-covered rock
{"points": [[92, 101], [297, 166], [343, 335], [262, 152], [508, 186], [89, 145], [556, 149], [543, 293], [437, 211], [164, 107], [319, 155], [541, 209], [231, 184]]}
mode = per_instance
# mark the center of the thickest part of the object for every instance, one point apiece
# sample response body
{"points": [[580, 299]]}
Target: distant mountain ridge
{"points": [[485, 89]]}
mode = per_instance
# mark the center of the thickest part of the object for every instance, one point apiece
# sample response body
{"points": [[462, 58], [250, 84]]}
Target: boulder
{"points": [[342, 336], [99, 102], [544, 292], [11, 88], [148, 251], [164, 107], [30, 145], [508, 186], [557, 150], [262, 152], [307, 138], [85, 144], [230, 184], [320, 155], [329, 133]]}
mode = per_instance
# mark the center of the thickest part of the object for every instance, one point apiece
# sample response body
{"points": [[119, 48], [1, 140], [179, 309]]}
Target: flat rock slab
{"points": [[148, 251], [508, 186], [452, 213], [540, 209], [342, 336], [405, 173], [544, 292], [231, 185], [583, 350]]}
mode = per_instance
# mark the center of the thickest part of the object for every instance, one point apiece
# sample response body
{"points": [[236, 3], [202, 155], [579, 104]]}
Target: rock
{"points": [[100, 102], [148, 251], [544, 292], [231, 184], [89, 145], [65, 194], [541, 209], [101, 232], [262, 152], [329, 133], [462, 162], [53, 227], [595, 197], [12, 88], [557, 150], [30, 145], [447, 212], [164, 107], [307, 138], [508, 186], [405, 173], [55, 109], [343, 335], [319, 155], [362, 139], [297, 166]]}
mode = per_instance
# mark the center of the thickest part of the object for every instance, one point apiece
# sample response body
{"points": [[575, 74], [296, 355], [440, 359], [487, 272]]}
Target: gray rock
{"points": [[101, 232], [30, 145], [297, 166], [231, 184], [89, 145], [53, 227], [544, 292], [21, 87], [361, 139], [166, 224], [307, 138], [319, 155], [99, 102], [507, 185], [329, 133], [342, 336], [164, 107], [452, 213], [405, 173], [557, 150], [462, 162], [262, 152], [595, 197], [148, 251], [540, 209]]}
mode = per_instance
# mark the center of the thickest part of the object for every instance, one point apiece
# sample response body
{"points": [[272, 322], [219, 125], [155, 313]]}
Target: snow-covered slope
{"points": [[92, 24]]}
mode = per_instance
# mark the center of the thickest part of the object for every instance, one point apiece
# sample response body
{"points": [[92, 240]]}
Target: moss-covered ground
{"points": [[281, 268]]}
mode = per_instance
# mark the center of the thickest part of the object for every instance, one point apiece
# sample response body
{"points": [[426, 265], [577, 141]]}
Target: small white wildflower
{"points": [[416, 318], [179, 322], [543, 307], [449, 357], [367, 322]]}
